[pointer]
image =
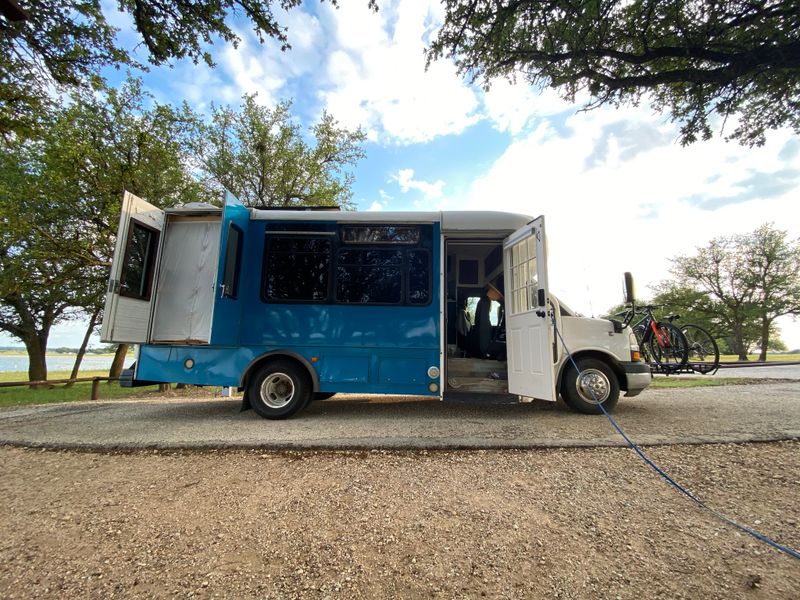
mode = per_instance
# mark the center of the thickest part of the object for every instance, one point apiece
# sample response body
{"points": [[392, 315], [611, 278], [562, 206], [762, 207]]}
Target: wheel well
{"points": [[265, 359], [612, 362]]}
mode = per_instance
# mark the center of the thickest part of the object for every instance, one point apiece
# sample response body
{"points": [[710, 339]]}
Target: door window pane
{"points": [[140, 255]]}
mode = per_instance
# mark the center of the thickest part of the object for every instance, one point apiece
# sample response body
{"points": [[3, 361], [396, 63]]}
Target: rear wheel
{"points": [[594, 383], [703, 350], [279, 389], [668, 347]]}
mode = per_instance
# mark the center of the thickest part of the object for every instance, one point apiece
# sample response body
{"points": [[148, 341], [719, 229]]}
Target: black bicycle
{"points": [[660, 342]]}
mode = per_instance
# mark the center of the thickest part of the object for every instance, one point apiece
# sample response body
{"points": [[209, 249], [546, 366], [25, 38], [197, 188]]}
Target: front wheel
{"points": [[594, 383], [279, 389]]}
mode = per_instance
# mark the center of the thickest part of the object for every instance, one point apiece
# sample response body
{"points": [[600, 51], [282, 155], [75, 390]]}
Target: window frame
{"points": [[151, 261]]}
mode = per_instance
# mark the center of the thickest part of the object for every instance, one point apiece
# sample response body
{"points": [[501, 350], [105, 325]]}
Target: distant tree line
{"points": [[736, 287]]}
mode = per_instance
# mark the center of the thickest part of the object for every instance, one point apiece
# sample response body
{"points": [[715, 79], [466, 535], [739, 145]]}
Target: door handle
{"points": [[541, 313]]}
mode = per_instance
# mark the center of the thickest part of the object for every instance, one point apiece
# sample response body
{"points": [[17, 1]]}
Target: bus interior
{"points": [[470, 266]]}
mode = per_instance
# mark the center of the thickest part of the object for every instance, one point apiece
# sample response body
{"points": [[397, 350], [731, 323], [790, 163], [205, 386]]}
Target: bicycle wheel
{"points": [[702, 349], [639, 332], [668, 347]]}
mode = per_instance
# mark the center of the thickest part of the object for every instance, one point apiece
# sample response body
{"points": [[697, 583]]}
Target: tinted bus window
{"points": [[370, 276], [233, 251], [297, 269], [419, 276]]}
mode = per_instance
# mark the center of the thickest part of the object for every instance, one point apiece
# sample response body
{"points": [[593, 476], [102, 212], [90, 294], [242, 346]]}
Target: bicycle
{"points": [[660, 342], [703, 350]]}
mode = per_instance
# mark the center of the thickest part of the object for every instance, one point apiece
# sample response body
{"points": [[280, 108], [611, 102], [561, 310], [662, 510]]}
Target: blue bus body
{"points": [[346, 347]]}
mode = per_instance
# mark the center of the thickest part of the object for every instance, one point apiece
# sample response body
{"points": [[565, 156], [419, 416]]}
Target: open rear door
{"points": [[130, 288], [228, 305], [529, 333]]}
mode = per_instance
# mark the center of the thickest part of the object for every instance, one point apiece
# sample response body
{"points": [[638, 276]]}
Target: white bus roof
{"points": [[452, 221]]}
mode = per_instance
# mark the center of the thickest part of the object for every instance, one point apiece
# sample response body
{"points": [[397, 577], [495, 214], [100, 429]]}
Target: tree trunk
{"points": [[738, 342], [82, 350], [36, 345], [119, 361], [764, 339]]}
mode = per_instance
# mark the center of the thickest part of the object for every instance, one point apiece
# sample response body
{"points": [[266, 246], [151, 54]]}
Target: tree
{"points": [[64, 45], [736, 58], [259, 155], [62, 193], [748, 280], [774, 266], [35, 291]]}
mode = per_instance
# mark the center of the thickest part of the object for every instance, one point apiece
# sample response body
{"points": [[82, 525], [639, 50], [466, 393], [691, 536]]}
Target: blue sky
{"points": [[618, 191]]}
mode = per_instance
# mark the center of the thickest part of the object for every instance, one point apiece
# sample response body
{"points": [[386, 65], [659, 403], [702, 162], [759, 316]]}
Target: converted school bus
{"points": [[297, 305]]}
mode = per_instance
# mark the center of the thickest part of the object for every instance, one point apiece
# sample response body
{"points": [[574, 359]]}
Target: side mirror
{"points": [[630, 288]]}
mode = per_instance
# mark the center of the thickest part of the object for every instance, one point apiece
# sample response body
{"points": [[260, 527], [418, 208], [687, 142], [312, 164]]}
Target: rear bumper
{"points": [[638, 377]]}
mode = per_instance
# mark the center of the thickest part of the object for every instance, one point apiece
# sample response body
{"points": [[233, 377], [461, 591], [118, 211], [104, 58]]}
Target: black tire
{"points": [[279, 389], [596, 375], [322, 396], [669, 348], [639, 332], [702, 348]]}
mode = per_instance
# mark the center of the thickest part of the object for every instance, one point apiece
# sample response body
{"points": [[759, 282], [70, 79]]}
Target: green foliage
{"points": [[64, 45], [260, 155], [695, 60], [742, 283], [61, 44], [60, 195]]}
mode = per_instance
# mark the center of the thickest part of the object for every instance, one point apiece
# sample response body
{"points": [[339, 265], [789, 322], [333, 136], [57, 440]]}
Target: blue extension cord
{"points": [[759, 536]]}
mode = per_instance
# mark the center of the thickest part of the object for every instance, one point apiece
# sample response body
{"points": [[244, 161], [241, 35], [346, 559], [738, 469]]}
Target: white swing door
{"points": [[529, 332], [129, 299]]}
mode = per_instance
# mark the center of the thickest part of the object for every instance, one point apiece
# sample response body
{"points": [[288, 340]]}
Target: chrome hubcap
{"points": [[593, 386], [277, 390]]}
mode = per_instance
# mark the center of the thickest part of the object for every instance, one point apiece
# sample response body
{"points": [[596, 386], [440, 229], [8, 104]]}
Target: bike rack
{"points": [[702, 368]]}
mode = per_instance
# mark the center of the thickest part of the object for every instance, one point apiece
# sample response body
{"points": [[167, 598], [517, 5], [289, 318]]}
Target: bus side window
{"points": [[233, 255], [296, 269]]}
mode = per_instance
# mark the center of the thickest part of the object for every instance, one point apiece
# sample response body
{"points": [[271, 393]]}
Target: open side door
{"points": [[529, 333], [228, 305], [129, 299]]}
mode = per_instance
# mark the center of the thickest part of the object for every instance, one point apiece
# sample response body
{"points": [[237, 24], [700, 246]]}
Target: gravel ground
{"points": [[556, 523], [735, 413]]}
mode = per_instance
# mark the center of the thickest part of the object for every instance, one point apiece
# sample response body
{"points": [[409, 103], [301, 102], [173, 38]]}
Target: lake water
{"points": [[64, 362]]}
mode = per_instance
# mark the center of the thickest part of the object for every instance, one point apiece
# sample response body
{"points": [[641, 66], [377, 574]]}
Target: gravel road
{"points": [[713, 414], [545, 523]]}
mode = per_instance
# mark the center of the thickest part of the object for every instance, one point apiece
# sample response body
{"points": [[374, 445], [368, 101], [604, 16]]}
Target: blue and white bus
{"points": [[297, 305]]}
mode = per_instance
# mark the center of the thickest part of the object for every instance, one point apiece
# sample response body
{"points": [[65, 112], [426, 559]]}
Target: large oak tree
{"points": [[696, 60]]}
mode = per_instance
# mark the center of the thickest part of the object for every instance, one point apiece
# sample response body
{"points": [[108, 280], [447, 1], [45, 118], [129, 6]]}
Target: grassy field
{"points": [[58, 393], [664, 382], [754, 357]]}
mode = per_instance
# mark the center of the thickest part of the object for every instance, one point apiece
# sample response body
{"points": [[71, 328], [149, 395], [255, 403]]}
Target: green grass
{"points": [[22, 395], [663, 382], [754, 357]]}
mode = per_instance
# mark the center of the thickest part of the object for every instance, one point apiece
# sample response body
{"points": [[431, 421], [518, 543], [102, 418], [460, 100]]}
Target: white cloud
{"points": [[376, 78], [510, 106], [405, 179], [638, 202], [375, 206]]}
